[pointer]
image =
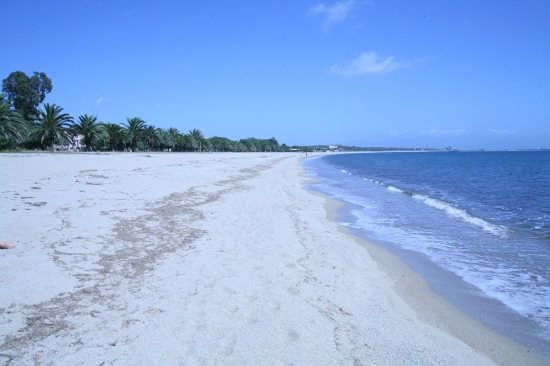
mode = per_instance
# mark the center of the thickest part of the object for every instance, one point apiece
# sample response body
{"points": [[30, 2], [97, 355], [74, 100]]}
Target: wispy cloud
{"points": [[99, 101], [369, 63], [333, 13]]}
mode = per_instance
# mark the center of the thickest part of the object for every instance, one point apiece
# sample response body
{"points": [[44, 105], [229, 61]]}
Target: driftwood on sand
{"points": [[6, 245]]}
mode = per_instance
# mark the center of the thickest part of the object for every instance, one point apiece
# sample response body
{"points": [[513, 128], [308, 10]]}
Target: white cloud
{"points": [[99, 101], [334, 13], [369, 63]]}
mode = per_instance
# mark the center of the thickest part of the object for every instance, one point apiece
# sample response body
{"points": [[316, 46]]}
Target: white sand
{"points": [[199, 259]]}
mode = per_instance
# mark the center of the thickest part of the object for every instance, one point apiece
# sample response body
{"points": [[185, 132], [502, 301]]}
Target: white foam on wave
{"points": [[461, 214], [518, 289], [448, 209], [394, 189], [374, 181]]}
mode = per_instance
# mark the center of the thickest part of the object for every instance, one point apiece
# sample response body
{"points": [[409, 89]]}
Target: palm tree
{"points": [[165, 139], [113, 135], [151, 137], [52, 125], [12, 124], [172, 138], [197, 139], [89, 128], [134, 129], [162, 138]]}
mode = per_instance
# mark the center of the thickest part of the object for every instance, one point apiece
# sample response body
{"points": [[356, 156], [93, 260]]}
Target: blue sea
{"points": [[475, 225]]}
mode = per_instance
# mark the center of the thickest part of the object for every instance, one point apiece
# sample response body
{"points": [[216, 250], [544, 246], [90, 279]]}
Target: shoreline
{"points": [[196, 259], [430, 306]]}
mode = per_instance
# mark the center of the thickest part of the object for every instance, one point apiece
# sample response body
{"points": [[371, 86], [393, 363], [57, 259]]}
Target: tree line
{"points": [[28, 123]]}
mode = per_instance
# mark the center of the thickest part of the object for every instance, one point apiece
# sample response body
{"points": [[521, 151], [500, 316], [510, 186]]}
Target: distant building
{"points": [[73, 144], [333, 148]]}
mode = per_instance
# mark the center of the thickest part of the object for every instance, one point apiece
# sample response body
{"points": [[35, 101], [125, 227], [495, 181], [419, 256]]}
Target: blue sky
{"points": [[401, 73]]}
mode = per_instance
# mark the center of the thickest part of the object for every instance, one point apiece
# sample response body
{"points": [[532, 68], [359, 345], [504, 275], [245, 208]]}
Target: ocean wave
{"points": [[374, 181], [461, 214], [394, 189], [519, 289], [448, 208]]}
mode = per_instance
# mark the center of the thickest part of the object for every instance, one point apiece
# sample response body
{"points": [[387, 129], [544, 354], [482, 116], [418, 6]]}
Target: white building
{"points": [[73, 144]]}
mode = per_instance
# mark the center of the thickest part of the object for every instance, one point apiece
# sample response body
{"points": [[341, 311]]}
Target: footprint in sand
{"points": [[292, 335], [293, 291]]}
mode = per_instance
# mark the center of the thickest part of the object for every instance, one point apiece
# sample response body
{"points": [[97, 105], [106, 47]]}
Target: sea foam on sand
{"points": [[204, 259]]}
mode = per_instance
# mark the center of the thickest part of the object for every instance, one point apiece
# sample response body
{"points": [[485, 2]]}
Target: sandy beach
{"points": [[207, 259]]}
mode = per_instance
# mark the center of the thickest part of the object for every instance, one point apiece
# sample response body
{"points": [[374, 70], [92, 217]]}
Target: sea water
{"points": [[476, 225]]}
